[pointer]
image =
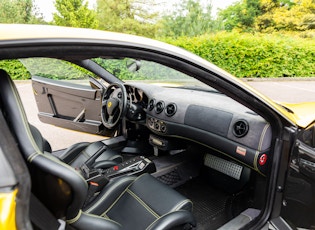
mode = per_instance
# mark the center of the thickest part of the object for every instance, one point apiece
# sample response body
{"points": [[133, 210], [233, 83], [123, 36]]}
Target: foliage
{"points": [[259, 55], [147, 70], [297, 15], [240, 15], [269, 15], [19, 11], [74, 13], [129, 16], [15, 69], [189, 19]]}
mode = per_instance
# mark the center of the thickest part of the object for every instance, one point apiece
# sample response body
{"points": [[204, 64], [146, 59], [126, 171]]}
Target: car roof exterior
{"points": [[22, 32]]}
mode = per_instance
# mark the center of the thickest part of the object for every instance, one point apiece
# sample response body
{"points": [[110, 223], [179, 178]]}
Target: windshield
{"points": [[125, 69], [131, 70]]}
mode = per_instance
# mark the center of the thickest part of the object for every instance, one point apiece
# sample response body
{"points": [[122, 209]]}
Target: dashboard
{"points": [[209, 118]]}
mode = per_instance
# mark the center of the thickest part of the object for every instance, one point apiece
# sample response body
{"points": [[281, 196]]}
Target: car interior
{"points": [[176, 158]]}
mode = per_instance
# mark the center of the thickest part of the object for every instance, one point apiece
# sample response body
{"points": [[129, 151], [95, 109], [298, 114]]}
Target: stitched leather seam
{"points": [[181, 204], [105, 195], [73, 220], [149, 227], [99, 217], [23, 115], [150, 210], [32, 156], [27, 128], [110, 207]]}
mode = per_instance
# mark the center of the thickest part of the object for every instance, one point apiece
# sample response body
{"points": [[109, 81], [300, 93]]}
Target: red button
{"points": [[116, 167], [263, 159]]}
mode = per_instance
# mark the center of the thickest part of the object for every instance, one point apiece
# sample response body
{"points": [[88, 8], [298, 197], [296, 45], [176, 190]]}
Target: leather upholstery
{"points": [[125, 203], [41, 166], [41, 142], [154, 203], [78, 153], [109, 155]]}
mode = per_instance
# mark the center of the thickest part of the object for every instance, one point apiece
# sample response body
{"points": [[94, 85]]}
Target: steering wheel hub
{"points": [[114, 105]]}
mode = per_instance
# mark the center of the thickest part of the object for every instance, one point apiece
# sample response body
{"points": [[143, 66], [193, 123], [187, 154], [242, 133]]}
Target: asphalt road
{"points": [[59, 138], [287, 91]]}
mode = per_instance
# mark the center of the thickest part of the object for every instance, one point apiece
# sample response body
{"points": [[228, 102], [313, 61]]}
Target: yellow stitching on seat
{"points": [[143, 204], [73, 220], [134, 179], [96, 216], [181, 204], [149, 227], [110, 207], [24, 118], [32, 156], [108, 191]]}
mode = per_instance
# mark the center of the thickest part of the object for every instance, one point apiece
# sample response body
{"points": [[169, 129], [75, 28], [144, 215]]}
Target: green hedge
{"points": [[243, 55], [259, 55], [15, 69]]}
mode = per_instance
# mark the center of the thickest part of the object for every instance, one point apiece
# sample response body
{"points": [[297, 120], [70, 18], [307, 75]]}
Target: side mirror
{"points": [[133, 65]]}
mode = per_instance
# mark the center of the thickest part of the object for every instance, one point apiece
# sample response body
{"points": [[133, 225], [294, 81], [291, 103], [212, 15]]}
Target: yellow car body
{"points": [[300, 115]]}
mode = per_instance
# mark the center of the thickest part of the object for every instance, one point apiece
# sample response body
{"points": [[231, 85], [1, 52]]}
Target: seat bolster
{"points": [[89, 150], [77, 183], [73, 151], [109, 195], [172, 220], [161, 197], [41, 142], [89, 221]]}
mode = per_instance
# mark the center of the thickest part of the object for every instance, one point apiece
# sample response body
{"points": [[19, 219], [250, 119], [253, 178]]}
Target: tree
{"points": [[297, 15], [240, 15], [129, 16], [189, 19], [18, 11], [74, 13]]}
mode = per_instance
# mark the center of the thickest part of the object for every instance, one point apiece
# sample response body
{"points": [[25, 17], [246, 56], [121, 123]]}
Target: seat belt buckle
{"points": [[62, 225]]}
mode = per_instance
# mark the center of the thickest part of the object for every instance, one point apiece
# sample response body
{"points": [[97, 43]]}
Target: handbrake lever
{"points": [[86, 166]]}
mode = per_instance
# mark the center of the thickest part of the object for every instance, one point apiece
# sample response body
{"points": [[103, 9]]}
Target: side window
{"points": [[60, 94], [57, 70]]}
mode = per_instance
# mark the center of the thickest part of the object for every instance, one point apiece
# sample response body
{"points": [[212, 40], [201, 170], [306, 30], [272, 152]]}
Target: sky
{"points": [[46, 7]]}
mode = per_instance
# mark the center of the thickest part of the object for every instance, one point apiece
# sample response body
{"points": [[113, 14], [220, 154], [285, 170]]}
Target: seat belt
{"points": [[42, 218]]}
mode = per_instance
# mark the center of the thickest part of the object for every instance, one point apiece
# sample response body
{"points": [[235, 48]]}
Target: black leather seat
{"points": [[78, 153], [125, 203]]}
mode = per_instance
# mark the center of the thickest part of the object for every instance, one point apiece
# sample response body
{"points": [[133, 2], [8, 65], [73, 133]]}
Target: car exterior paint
{"points": [[7, 207]]}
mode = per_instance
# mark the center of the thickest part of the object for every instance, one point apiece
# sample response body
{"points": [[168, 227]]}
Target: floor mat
{"points": [[211, 207]]}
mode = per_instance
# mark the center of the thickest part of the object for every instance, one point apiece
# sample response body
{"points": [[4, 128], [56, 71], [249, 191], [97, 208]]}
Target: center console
{"points": [[98, 178], [134, 166]]}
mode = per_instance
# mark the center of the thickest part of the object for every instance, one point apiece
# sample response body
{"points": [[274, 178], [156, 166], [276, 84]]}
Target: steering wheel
{"points": [[114, 106]]}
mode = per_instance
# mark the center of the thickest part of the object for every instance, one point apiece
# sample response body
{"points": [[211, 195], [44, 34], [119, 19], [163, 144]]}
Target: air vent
{"points": [[170, 109], [151, 104], [240, 128], [159, 107]]}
